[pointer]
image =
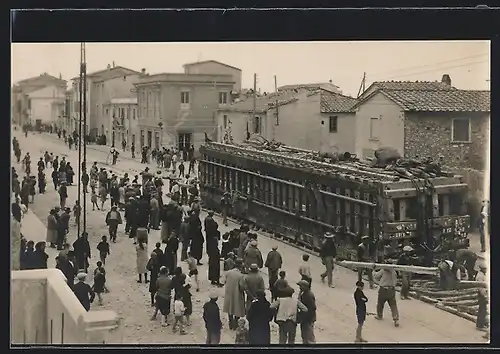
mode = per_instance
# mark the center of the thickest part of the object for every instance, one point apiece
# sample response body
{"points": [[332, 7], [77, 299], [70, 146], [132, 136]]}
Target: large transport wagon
{"points": [[296, 196]]}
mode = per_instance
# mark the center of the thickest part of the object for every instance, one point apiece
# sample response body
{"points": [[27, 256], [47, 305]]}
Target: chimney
{"points": [[113, 64], [143, 71], [109, 66], [446, 79]]}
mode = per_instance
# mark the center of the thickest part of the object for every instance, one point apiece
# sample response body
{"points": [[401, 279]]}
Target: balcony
{"points": [[45, 311]]}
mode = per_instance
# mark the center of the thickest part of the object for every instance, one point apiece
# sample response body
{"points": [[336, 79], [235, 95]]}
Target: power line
{"points": [[435, 70], [410, 68]]}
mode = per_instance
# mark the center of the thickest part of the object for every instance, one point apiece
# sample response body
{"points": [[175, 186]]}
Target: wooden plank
{"points": [[396, 267], [411, 192], [470, 283], [389, 207]]}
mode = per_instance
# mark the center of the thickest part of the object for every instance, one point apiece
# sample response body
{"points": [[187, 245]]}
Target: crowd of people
{"points": [[146, 204]]}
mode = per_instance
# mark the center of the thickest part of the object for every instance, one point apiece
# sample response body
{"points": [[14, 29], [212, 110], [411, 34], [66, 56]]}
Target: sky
{"points": [[467, 62]]}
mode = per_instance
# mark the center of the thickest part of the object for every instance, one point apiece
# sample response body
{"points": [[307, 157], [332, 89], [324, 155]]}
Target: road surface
{"points": [[336, 320]]}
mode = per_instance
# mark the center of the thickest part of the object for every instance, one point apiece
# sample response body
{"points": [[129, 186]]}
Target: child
{"points": [[178, 314], [241, 332], [305, 269], [360, 300], [103, 248], [229, 262], [77, 210], [93, 199], [280, 285], [226, 245], [187, 301], [99, 281], [193, 270]]}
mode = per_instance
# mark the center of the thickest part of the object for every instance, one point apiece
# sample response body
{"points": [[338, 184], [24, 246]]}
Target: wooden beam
{"points": [[411, 192], [396, 267]]}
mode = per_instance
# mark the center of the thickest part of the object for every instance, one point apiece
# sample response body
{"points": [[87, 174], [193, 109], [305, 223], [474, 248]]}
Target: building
{"points": [[180, 108], [428, 119], [327, 86], [122, 121], [215, 67], [103, 86], [41, 99], [317, 120]]}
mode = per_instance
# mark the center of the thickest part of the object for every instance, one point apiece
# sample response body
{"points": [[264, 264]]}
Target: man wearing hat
{"points": [[308, 318], [234, 296], [253, 256], [253, 284], [405, 259], [328, 252], [83, 291], [387, 279], [363, 255], [273, 264], [211, 317]]}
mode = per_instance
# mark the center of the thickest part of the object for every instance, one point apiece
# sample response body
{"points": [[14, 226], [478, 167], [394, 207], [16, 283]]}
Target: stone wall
{"points": [[429, 134], [15, 248], [45, 311]]}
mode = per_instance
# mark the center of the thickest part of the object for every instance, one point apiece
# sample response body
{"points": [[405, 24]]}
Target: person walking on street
{"points": [[273, 264], [387, 279], [113, 219], [83, 291], [259, 315], [328, 252], [405, 259]]}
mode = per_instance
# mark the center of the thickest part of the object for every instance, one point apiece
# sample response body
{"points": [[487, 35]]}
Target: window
{"points": [[225, 121], [107, 112], [460, 130], [185, 98], [122, 121], [257, 125], [29, 103], [374, 128], [133, 113], [333, 121], [222, 97]]}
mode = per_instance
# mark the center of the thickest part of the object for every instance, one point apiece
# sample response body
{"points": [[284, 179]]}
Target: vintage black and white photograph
{"points": [[250, 193]]}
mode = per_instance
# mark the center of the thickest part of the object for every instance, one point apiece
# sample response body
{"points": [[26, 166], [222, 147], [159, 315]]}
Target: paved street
{"points": [[336, 321]]}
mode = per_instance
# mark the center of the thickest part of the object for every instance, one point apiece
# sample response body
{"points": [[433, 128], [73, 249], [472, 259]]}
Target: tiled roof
{"points": [[41, 80], [336, 103], [110, 73], [262, 103], [412, 85], [441, 100], [211, 61]]}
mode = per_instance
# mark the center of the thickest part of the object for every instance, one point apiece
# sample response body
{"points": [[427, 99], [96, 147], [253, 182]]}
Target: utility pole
{"points": [[362, 86], [277, 108], [82, 132]]}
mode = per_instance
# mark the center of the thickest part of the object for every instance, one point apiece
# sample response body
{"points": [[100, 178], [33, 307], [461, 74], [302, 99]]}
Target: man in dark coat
{"points": [[211, 229], [83, 291], [253, 284], [144, 211], [63, 227], [273, 265], [171, 253], [308, 318], [113, 219], [196, 237], [211, 317], [65, 266], [259, 315], [82, 252]]}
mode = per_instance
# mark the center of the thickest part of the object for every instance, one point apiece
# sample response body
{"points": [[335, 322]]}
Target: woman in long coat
{"points": [[52, 229], [213, 261], [196, 237], [142, 261], [153, 266], [259, 315]]}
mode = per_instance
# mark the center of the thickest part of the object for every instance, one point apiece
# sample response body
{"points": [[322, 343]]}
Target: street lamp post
{"points": [[161, 133]]}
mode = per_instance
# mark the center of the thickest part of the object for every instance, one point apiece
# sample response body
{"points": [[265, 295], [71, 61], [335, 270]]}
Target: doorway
{"points": [[184, 140], [150, 138], [113, 139]]}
